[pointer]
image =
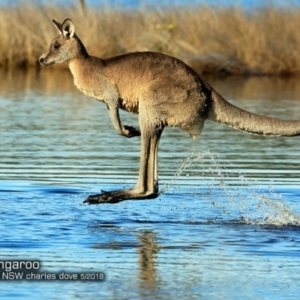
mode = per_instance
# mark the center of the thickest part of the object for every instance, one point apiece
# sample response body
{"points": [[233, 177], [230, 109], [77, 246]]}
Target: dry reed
{"points": [[228, 40]]}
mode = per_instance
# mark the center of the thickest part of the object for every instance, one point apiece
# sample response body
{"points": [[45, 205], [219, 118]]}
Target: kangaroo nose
{"points": [[41, 59]]}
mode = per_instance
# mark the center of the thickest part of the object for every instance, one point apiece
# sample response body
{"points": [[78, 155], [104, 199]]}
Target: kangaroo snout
{"points": [[41, 60], [44, 61]]}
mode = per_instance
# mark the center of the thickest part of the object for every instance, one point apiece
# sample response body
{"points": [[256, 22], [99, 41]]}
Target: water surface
{"points": [[226, 226]]}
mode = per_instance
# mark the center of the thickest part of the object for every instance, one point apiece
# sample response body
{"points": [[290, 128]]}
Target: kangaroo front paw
{"points": [[130, 131]]}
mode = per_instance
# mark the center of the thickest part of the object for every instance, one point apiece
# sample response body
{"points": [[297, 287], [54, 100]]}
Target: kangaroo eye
{"points": [[56, 46]]}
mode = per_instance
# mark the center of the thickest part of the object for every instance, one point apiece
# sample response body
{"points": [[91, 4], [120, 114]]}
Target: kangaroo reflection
{"points": [[146, 248], [147, 255], [147, 260]]}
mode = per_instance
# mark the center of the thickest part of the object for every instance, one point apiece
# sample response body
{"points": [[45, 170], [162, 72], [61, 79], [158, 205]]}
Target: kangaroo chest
{"points": [[99, 86], [94, 84]]}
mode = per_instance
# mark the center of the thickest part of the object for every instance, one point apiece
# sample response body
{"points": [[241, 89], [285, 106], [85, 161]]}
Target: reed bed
{"points": [[226, 40]]}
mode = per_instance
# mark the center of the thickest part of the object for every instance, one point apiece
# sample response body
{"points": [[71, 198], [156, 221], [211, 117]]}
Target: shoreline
{"points": [[220, 41]]}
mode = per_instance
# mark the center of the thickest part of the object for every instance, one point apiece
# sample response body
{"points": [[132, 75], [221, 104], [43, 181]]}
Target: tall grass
{"points": [[229, 40]]}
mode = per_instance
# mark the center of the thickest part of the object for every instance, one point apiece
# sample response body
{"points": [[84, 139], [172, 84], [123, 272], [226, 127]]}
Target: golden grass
{"points": [[229, 40]]}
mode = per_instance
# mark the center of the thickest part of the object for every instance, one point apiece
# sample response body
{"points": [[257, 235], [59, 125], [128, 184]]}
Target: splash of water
{"points": [[243, 196]]}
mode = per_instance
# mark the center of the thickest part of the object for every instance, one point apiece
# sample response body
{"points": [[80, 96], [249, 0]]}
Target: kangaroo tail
{"points": [[223, 112]]}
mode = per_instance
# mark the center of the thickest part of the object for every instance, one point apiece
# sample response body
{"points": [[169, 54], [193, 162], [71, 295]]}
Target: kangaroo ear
{"points": [[58, 26], [68, 29]]}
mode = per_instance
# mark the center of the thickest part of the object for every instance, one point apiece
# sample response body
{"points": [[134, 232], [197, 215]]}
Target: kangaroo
{"points": [[163, 90]]}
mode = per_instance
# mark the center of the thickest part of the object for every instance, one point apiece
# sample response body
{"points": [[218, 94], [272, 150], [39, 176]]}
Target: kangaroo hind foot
{"points": [[147, 184], [113, 197]]}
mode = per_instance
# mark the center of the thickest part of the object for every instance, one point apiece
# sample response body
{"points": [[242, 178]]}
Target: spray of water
{"points": [[233, 193]]}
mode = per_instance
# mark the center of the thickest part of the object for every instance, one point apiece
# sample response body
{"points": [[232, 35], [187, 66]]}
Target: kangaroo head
{"points": [[65, 47]]}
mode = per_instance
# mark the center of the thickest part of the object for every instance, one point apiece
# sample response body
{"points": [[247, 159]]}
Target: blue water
{"points": [[226, 226], [133, 4], [165, 3], [161, 3]]}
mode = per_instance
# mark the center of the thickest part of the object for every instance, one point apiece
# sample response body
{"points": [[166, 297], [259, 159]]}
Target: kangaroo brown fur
{"points": [[163, 90]]}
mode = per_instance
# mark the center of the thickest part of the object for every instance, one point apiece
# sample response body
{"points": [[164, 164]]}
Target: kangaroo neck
{"points": [[85, 65], [82, 51], [88, 77]]}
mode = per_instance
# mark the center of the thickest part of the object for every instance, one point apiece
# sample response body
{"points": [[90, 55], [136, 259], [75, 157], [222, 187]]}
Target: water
{"points": [[132, 4], [225, 227]]}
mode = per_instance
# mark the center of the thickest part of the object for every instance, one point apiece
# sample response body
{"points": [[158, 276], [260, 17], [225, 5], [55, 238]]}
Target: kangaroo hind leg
{"points": [[147, 184]]}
